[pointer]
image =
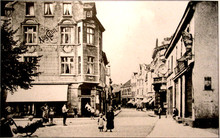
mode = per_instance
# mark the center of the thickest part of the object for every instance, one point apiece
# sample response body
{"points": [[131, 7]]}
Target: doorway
{"points": [[84, 111]]}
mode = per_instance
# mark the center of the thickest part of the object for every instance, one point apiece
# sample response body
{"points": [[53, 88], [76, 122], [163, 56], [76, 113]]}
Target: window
{"points": [[31, 59], [171, 64], [90, 69], [67, 65], [89, 14], [30, 34], [79, 34], [30, 8], [79, 65], [48, 8], [208, 82], [66, 35], [90, 35], [67, 9]]}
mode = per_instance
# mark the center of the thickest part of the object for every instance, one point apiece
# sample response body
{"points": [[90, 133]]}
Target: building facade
{"points": [[126, 93], [68, 36], [159, 69], [192, 60]]}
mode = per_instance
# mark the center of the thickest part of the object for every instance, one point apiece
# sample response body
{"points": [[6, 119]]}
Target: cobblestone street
{"points": [[129, 123]]}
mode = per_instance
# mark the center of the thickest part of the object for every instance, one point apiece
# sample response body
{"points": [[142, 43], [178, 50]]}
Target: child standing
{"points": [[101, 121]]}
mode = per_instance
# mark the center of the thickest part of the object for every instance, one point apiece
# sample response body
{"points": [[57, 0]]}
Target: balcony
{"points": [[181, 65], [159, 80]]}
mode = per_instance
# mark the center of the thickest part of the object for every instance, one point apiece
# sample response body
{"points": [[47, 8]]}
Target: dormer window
{"points": [[67, 9], [30, 9]]}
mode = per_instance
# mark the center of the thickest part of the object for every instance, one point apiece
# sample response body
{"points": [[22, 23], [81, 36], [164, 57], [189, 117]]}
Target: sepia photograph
{"points": [[127, 68]]}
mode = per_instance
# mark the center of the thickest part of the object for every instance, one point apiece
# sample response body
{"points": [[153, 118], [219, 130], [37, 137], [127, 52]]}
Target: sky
{"points": [[131, 30]]}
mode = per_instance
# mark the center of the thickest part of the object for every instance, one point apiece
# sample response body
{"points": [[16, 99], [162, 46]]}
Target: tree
{"points": [[14, 73]]}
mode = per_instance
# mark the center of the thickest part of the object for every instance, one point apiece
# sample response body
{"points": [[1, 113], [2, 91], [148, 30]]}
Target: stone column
{"points": [[183, 95], [180, 97], [73, 98]]}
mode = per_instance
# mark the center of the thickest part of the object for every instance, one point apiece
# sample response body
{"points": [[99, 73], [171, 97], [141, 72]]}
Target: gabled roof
{"points": [[127, 84]]}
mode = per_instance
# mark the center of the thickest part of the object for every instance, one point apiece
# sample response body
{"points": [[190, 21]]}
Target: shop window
{"points": [[90, 69], [67, 65], [67, 9], [48, 8], [207, 83], [66, 35], [30, 9], [90, 35], [31, 59], [30, 35]]}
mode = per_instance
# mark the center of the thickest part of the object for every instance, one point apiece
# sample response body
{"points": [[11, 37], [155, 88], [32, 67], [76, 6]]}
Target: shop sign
{"points": [[48, 35]]}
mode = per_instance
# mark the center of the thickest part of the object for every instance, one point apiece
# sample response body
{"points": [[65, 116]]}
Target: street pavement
{"points": [[167, 127], [128, 123]]}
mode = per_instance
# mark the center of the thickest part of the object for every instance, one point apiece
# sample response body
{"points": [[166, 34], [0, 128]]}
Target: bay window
{"points": [[90, 35], [90, 65]]}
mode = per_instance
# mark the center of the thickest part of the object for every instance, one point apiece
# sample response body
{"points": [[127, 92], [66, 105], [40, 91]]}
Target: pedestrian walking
{"points": [[110, 120], [64, 111], [101, 121], [45, 110], [159, 111], [51, 114]]}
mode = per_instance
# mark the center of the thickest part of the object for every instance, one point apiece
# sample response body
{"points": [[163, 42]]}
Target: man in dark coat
{"points": [[110, 120]]}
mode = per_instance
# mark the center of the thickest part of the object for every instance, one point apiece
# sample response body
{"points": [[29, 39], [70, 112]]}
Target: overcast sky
{"points": [[131, 29]]}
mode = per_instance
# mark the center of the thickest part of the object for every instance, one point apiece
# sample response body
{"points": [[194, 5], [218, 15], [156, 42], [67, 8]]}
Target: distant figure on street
{"points": [[159, 111], [101, 121], [64, 111], [45, 111], [110, 120], [51, 114], [175, 112]]}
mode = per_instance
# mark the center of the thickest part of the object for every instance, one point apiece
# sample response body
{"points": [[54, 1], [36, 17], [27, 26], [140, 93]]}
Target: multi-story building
{"points": [[68, 36], [126, 93], [134, 84], [192, 61], [158, 69]]}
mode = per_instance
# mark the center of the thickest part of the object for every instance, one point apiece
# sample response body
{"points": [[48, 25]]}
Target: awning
{"points": [[39, 93], [152, 100], [146, 100], [131, 102]]}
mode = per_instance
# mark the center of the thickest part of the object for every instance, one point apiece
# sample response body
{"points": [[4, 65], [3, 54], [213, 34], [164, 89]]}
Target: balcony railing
{"points": [[181, 65], [159, 80]]}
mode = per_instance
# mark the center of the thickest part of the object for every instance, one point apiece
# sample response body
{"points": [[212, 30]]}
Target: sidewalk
{"points": [[167, 127]]}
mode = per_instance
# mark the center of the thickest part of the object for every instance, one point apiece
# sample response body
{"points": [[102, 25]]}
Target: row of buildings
{"points": [[73, 66], [184, 71]]}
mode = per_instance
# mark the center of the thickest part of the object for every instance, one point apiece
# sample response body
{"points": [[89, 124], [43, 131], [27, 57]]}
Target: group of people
{"points": [[47, 113], [109, 121]]}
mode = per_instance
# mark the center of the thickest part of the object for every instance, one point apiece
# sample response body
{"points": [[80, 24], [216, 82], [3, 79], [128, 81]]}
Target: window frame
{"points": [[26, 9], [24, 34], [90, 36], [69, 34], [90, 65], [67, 63], [33, 59], [52, 10], [70, 6]]}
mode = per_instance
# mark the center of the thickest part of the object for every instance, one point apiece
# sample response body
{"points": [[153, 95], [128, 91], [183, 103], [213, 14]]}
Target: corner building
{"points": [[68, 36]]}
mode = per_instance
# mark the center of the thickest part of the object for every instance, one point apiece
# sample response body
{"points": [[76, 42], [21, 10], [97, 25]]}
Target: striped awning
{"points": [[39, 93]]}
